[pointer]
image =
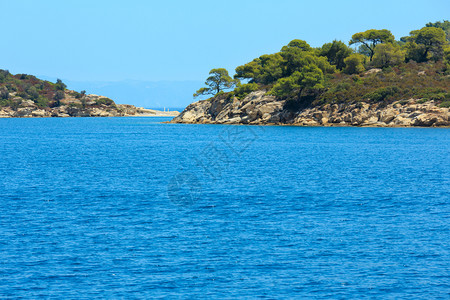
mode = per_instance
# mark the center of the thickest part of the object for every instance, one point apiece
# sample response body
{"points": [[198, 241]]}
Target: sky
{"points": [[175, 41]]}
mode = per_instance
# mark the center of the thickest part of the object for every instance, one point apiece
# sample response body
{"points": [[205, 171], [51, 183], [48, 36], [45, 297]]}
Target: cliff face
{"points": [[260, 109], [89, 106]]}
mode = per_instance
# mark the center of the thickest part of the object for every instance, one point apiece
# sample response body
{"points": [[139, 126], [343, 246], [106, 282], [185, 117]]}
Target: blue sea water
{"points": [[132, 208]]}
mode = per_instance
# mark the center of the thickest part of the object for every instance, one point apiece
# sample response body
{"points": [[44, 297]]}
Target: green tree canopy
{"points": [[293, 57], [298, 55], [59, 85], [335, 53], [299, 44], [265, 69], [388, 54], [354, 64], [370, 38], [425, 44], [447, 58], [59, 95], [309, 77], [218, 81], [444, 25]]}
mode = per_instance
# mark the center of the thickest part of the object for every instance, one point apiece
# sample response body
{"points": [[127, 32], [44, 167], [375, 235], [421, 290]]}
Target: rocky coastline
{"points": [[89, 106], [257, 108]]}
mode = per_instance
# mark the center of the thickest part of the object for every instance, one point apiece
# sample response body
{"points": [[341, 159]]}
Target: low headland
{"points": [[25, 96], [384, 83]]}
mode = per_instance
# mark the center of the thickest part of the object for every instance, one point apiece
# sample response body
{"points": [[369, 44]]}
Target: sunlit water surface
{"points": [[132, 208]]}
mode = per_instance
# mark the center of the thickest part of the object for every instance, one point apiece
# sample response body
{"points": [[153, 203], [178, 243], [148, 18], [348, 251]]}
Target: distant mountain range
{"points": [[148, 94]]}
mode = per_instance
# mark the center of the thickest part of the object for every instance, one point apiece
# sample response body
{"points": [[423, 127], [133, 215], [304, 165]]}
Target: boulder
{"points": [[335, 119], [372, 71], [60, 115], [387, 115], [442, 122], [274, 119], [27, 103], [425, 120], [347, 117], [23, 112], [270, 108], [40, 113], [372, 120], [402, 120], [189, 117], [235, 120], [266, 117], [96, 112], [4, 114], [308, 122]]}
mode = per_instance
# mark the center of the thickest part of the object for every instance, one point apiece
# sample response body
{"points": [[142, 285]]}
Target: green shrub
{"points": [[75, 105], [41, 102], [382, 93], [356, 79], [4, 103], [59, 85], [104, 101], [230, 96], [388, 54], [354, 64], [79, 95], [15, 104], [343, 86], [243, 90], [445, 104], [59, 95], [11, 88], [32, 93], [23, 95], [437, 94], [388, 69], [4, 75], [440, 96], [4, 95]]}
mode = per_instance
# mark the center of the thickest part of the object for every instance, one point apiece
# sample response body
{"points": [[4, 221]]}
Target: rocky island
{"points": [[25, 96], [260, 109], [385, 82]]}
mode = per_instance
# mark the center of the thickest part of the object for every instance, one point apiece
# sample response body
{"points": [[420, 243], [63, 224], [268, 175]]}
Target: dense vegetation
{"points": [[16, 88], [381, 69]]}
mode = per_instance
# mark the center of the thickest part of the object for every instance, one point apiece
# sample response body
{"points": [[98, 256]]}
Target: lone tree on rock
{"points": [[218, 81], [370, 38]]}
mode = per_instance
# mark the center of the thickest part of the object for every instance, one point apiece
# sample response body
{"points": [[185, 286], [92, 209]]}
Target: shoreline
{"points": [[159, 114], [257, 108], [91, 112], [310, 126], [125, 116]]}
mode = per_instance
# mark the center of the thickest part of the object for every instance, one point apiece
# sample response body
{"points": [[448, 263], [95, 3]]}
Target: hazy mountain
{"points": [[149, 94]]}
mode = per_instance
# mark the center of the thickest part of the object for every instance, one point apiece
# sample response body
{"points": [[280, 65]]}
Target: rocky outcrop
{"points": [[261, 109], [89, 106]]}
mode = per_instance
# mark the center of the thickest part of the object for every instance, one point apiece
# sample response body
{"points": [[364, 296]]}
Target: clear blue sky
{"points": [[182, 40]]}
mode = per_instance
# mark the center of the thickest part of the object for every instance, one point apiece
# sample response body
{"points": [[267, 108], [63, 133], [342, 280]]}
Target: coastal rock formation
{"points": [[257, 108], [89, 106]]}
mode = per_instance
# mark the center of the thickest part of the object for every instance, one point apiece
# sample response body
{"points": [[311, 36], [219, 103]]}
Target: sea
{"points": [[135, 208]]}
